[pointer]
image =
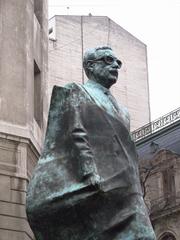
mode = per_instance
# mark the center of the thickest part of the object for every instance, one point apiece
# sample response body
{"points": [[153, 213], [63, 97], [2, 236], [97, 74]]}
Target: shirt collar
{"points": [[95, 85]]}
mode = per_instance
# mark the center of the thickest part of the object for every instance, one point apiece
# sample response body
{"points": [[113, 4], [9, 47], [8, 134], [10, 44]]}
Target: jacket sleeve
{"points": [[82, 148]]}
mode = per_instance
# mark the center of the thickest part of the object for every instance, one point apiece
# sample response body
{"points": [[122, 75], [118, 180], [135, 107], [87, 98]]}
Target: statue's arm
{"points": [[86, 164], [81, 147]]}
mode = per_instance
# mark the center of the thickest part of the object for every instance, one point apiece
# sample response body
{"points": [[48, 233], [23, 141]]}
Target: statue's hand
{"points": [[95, 181]]}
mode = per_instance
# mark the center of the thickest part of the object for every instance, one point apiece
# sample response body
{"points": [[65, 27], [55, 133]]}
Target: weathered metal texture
{"points": [[86, 184], [83, 139]]}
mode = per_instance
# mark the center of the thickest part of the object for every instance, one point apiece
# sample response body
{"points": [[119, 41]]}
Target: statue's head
{"points": [[101, 65]]}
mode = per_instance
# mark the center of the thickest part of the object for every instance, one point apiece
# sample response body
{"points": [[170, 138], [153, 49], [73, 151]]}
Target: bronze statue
{"points": [[86, 184]]}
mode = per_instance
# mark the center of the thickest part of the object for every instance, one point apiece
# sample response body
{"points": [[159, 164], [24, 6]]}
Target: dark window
{"points": [[169, 184], [37, 95]]}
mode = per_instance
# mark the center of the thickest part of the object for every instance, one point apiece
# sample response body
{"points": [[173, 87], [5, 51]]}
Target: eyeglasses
{"points": [[108, 60]]}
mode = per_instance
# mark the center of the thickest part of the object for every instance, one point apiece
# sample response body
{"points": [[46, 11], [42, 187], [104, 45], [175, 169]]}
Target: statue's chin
{"points": [[107, 83], [111, 82]]}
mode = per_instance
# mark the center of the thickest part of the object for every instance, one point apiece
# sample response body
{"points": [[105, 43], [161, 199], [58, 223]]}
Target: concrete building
{"points": [[23, 107], [70, 36]]}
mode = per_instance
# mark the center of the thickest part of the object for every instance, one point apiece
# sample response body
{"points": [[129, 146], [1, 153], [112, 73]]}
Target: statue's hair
{"points": [[90, 54]]}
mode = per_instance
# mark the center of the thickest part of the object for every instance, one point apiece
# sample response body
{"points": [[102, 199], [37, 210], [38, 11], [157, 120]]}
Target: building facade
{"points": [[23, 78], [158, 145], [71, 36]]}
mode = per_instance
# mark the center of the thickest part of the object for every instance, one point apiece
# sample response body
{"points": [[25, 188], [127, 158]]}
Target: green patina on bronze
{"points": [[86, 183]]}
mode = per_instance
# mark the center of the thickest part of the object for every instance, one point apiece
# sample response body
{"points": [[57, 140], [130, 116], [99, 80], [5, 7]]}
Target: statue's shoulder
{"points": [[73, 86], [67, 90], [126, 112], [125, 115], [71, 93], [68, 87]]}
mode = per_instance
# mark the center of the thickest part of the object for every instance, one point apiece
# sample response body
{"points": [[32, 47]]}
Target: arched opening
{"points": [[167, 236]]}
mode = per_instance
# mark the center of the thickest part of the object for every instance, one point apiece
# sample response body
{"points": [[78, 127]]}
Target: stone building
{"points": [[158, 145], [70, 36], [23, 106]]}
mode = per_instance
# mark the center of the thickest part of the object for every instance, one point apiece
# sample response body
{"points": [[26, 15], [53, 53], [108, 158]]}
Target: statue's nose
{"points": [[116, 65]]}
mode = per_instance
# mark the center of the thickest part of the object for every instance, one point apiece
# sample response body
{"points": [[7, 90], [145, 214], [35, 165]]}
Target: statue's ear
{"points": [[90, 66]]}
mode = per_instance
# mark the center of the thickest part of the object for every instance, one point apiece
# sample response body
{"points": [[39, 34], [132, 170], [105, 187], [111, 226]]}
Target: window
{"points": [[37, 95], [167, 236], [169, 184]]}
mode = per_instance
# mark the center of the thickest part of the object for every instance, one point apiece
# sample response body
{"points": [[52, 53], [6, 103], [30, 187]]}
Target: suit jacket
{"points": [[86, 134]]}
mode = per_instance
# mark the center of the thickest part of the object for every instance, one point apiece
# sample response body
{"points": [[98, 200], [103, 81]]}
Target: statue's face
{"points": [[105, 68]]}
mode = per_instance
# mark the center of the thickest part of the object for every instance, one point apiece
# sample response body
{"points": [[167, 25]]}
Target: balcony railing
{"points": [[156, 125]]}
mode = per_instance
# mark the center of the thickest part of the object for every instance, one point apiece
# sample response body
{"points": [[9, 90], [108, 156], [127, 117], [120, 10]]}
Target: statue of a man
{"points": [[86, 184]]}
